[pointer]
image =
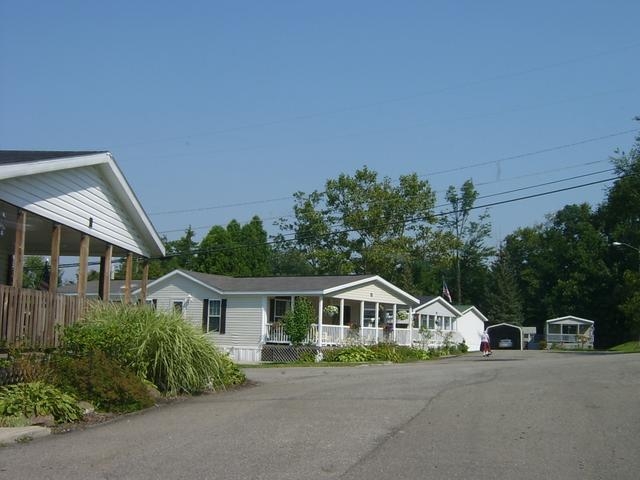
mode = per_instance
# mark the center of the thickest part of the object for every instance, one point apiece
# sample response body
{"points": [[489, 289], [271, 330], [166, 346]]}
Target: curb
{"points": [[20, 434]]}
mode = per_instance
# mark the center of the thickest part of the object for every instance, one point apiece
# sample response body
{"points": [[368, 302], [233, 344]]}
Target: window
{"points": [[432, 322], [279, 308], [177, 306], [214, 315], [213, 322], [369, 314]]}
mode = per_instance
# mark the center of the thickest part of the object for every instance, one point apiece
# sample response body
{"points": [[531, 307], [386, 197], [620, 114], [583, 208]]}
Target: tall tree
{"points": [[236, 250], [619, 216], [363, 224], [468, 237], [503, 302]]}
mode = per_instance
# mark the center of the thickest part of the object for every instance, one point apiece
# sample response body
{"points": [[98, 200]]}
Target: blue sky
{"points": [[221, 110]]}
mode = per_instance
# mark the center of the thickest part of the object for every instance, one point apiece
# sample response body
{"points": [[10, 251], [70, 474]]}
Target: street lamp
{"points": [[622, 244]]}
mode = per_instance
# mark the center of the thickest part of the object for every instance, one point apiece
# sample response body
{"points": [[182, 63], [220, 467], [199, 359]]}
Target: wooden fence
{"points": [[33, 318]]}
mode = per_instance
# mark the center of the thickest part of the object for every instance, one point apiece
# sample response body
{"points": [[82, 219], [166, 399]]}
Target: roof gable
{"points": [[58, 186], [570, 319]]}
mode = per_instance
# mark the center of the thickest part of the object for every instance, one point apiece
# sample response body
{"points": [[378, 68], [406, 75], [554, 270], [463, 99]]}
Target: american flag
{"points": [[445, 291]]}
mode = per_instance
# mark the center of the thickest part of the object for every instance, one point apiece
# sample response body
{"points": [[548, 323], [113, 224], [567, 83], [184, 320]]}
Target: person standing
{"points": [[485, 344]]}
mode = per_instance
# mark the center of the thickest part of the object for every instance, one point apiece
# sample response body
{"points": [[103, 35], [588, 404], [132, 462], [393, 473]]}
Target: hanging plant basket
{"points": [[331, 310]]}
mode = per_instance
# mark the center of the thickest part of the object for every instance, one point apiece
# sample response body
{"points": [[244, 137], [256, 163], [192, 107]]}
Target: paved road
{"points": [[532, 415]]}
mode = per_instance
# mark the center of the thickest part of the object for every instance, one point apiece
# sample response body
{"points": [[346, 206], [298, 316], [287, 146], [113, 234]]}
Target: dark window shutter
{"points": [[223, 316], [205, 314], [272, 308]]}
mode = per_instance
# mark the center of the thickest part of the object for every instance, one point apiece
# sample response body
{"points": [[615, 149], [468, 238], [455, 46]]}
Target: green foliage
{"points": [[297, 320], [358, 353], [102, 381], [463, 347], [375, 236], [307, 357], [13, 421], [158, 346], [628, 347], [468, 237], [37, 399], [236, 250], [504, 304], [383, 352], [386, 352]]}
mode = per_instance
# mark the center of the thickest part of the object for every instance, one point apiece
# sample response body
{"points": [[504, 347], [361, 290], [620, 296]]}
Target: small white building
{"points": [[471, 324], [570, 332]]}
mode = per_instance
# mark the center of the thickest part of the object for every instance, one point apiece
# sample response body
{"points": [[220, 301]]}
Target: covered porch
{"points": [[365, 311], [347, 322], [570, 332]]}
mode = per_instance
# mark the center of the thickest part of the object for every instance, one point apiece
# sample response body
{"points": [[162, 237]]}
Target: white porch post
{"points": [[377, 320], [265, 316], [362, 321], [341, 320], [410, 326], [395, 311], [320, 307]]}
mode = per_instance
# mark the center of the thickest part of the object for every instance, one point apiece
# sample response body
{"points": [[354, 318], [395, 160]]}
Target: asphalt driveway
{"points": [[516, 414]]}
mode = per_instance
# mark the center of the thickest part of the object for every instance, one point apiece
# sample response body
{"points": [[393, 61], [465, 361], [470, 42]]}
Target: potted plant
{"points": [[331, 310]]}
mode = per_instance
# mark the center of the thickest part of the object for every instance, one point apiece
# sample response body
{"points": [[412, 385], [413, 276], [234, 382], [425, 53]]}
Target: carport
{"points": [[506, 330]]}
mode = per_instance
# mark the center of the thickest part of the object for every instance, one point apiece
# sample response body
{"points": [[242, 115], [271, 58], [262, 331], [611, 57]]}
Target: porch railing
{"points": [[566, 338], [30, 317], [337, 335]]}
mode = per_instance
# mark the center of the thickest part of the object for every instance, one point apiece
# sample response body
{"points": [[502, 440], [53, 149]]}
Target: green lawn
{"points": [[629, 347]]}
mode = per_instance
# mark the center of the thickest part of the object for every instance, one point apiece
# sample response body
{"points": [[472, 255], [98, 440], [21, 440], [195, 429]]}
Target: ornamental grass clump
{"points": [[160, 347]]}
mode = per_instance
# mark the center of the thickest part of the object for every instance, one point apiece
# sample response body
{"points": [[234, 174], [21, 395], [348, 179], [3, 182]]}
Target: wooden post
{"points": [[83, 266], [145, 280], [127, 278], [18, 249], [56, 234], [105, 274]]}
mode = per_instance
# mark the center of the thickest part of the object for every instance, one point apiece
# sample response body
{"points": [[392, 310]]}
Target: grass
{"points": [[629, 347]]}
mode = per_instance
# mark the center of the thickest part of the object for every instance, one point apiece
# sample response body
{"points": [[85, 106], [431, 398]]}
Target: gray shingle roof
{"points": [[24, 156], [285, 285]]}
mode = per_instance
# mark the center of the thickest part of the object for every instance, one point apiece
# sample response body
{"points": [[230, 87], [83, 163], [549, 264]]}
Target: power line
{"points": [[451, 170], [416, 219], [402, 221], [202, 227]]}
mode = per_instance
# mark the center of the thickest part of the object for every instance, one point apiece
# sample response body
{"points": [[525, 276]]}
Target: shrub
{"points": [[297, 321], [37, 399], [358, 353], [463, 347], [386, 352], [102, 381], [158, 346]]}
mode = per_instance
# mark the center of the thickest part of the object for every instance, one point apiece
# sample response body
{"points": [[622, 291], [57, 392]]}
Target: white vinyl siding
{"points": [[243, 322], [72, 197], [371, 293]]}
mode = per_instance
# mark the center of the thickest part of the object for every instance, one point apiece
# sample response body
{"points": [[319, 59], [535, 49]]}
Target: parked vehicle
{"points": [[505, 343]]}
